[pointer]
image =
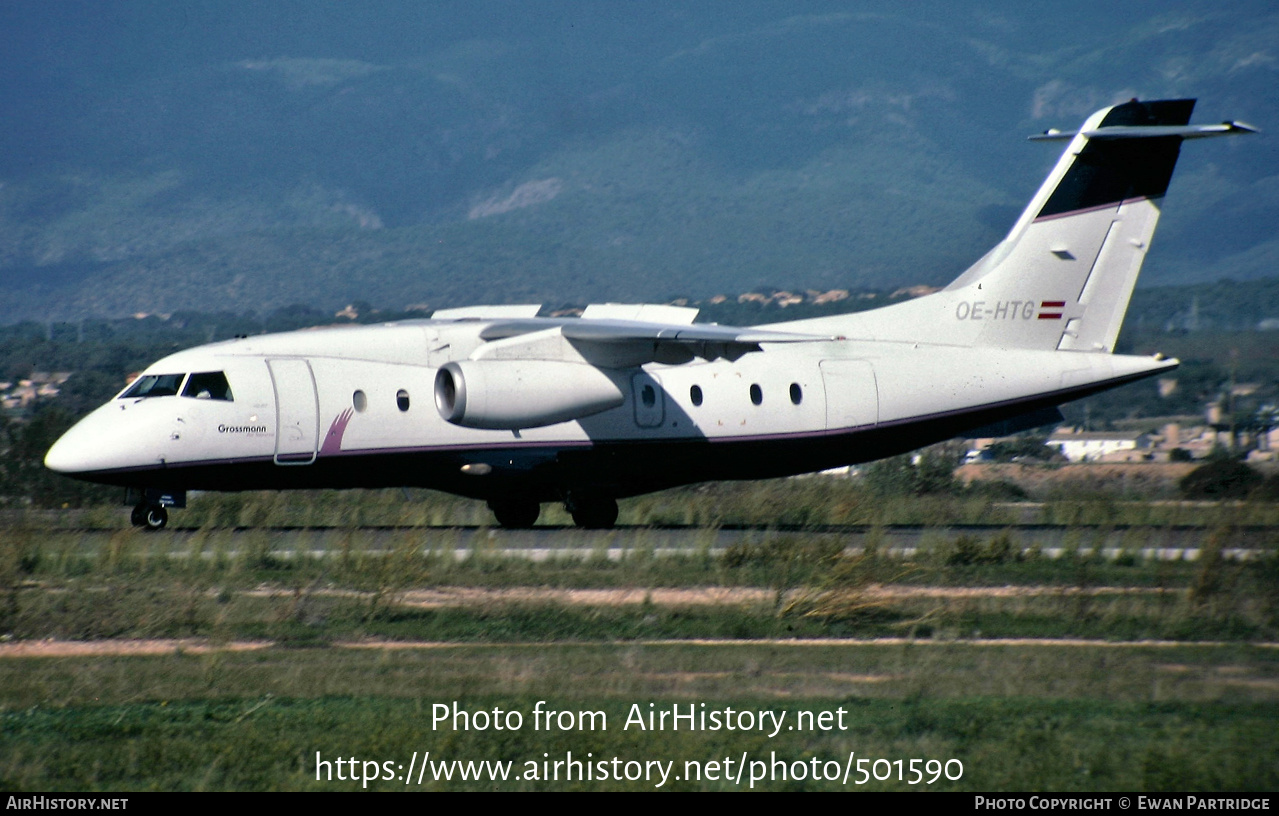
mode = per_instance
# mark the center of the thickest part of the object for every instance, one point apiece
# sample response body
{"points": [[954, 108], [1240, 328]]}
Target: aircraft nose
{"points": [[70, 454], [104, 440]]}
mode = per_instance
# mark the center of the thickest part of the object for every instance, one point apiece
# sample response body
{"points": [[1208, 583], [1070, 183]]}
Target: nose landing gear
{"points": [[151, 506], [149, 517]]}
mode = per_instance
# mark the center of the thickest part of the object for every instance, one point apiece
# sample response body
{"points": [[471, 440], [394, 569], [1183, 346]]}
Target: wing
{"points": [[531, 372], [611, 342], [625, 343]]}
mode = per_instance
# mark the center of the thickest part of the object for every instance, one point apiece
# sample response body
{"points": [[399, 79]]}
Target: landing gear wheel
{"points": [[592, 512], [149, 518], [515, 514], [157, 518]]}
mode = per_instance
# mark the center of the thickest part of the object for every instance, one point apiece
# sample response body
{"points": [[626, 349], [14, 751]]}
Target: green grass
{"points": [[131, 611], [357, 664], [233, 585], [1017, 717], [777, 503]]}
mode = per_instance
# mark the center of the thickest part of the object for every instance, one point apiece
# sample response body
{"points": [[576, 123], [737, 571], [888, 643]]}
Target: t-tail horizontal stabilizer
{"points": [[1146, 131]]}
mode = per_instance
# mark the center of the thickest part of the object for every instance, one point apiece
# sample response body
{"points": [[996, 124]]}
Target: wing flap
{"points": [[647, 312], [488, 312], [624, 343]]}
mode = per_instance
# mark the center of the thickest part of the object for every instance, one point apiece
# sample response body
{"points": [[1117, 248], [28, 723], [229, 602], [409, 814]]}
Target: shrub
{"points": [[1220, 479], [932, 471], [968, 550], [1268, 490]]}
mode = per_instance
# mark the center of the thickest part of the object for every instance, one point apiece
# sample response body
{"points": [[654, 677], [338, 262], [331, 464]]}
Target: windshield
{"points": [[154, 385], [208, 385]]}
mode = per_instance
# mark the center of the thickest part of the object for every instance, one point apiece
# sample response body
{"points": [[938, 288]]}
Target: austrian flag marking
{"points": [[1051, 309]]}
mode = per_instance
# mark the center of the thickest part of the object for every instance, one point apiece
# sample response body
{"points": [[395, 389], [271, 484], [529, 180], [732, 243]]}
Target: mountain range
{"points": [[239, 156]]}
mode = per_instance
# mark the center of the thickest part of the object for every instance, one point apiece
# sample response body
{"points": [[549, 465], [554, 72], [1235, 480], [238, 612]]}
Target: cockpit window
{"points": [[154, 385], [208, 385]]}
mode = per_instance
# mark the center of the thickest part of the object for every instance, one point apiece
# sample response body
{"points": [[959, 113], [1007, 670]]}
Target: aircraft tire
{"points": [[515, 514], [156, 518], [138, 518], [592, 512]]}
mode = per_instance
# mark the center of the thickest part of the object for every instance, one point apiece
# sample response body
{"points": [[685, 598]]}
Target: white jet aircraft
{"points": [[498, 404]]}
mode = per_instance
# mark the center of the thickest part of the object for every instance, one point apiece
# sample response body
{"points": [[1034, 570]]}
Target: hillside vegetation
{"points": [[163, 159]]}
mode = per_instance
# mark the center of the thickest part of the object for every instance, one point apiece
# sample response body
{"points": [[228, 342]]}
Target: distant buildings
{"points": [[1169, 444], [919, 290], [19, 395], [1087, 446]]}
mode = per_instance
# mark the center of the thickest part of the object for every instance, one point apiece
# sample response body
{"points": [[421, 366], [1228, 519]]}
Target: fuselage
{"points": [[354, 407]]}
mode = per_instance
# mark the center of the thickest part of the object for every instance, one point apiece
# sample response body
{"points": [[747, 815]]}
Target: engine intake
{"points": [[515, 394]]}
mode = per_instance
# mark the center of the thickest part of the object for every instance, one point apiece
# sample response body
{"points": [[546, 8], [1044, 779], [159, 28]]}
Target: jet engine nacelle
{"points": [[515, 394]]}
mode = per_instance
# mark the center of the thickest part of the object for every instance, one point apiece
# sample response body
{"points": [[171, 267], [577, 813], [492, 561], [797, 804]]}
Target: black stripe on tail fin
{"points": [[1108, 172]]}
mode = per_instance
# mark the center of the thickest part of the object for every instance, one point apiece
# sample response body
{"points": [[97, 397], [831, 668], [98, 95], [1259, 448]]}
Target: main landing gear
{"points": [[590, 511], [149, 516], [515, 513]]}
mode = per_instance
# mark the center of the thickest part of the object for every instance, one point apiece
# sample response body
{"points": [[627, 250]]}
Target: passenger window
{"points": [[402, 399], [796, 393], [359, 401], [695, 394], [757, 394], [154, 385], [208, 385], [648, 396]]}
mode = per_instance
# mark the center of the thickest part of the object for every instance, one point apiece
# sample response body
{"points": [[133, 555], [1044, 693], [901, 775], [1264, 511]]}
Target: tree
{"points": [[1022, 447], [22, 471], [930, 471], [1220, 479]]}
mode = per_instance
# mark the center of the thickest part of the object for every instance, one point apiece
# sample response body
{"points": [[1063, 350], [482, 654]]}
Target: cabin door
{"points": [[297, 412], [852, 397], [650, 408]]}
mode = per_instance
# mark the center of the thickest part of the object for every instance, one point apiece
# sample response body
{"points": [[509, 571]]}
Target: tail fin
{"points": [[1072, 259], [1063, 276]]}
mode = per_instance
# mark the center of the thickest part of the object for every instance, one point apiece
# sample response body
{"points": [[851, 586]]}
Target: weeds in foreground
{"points": [[343, 582], [807, 503], [854, 590]]}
